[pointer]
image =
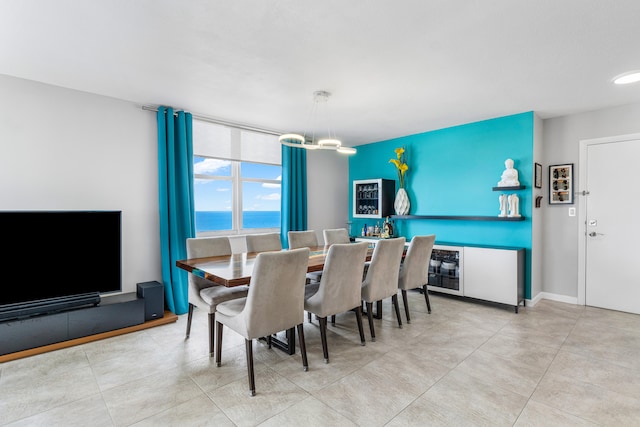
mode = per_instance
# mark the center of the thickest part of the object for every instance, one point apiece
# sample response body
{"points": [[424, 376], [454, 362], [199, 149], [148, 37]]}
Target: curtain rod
{"points": [[223, 122]]}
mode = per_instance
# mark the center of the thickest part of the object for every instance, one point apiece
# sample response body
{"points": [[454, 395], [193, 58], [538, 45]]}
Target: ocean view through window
{"points": [[234, 197]]}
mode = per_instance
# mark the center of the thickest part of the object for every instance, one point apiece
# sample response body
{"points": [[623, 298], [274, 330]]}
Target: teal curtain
{"points": [[175, 192], [294, 192]]}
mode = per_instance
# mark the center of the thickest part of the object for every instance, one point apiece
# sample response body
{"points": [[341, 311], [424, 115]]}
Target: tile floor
{"points": [[466, 363]]}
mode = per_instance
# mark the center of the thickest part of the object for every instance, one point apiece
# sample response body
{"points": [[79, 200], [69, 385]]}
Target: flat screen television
{"points": [[56, 254]]}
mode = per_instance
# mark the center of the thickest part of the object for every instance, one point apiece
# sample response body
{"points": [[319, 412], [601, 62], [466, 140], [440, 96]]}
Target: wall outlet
{"points": [[572, 211]]}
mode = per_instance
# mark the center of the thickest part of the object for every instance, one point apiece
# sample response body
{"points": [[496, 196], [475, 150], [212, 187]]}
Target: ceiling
{"points": [[394, 68]]}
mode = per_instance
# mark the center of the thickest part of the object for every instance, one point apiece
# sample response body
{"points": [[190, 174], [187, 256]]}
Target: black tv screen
{"points": [[50, 254]]}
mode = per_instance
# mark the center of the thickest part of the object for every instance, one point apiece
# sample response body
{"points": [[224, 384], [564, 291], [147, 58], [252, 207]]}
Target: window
{"points": [[235, 193]]}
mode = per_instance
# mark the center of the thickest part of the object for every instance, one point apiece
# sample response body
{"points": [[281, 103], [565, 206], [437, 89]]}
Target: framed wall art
{"points": [[561, 184], [537, 182]]}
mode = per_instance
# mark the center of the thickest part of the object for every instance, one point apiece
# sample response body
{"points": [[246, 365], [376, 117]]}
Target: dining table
{"points": [[236, 270]]}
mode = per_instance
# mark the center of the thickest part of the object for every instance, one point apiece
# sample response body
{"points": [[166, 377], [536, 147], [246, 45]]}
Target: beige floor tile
{"points": [[199, 411], [587, 401], [598, 372], [528, 353], [374, 394], [90, 411], [139, 399], [308, 413], [274, 394], [321, 374], [208, 376], [50, 364], [423, 412], [474, 399], [126, 368], [536, 414], [37, 394], [511, 374]]}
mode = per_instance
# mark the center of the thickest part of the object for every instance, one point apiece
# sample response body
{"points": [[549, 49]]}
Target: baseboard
{"points": [[552, 297]]}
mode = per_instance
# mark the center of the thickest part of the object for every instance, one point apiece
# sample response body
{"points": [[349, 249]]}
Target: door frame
{"points": [[582, 206]]}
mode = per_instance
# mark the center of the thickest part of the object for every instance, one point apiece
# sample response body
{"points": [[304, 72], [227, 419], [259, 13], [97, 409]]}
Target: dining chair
{"points": [[414, 271], [263, 242], [274, 303], [335, 235], [204, 293], [304, 239], [381, 280], [339, 288]]}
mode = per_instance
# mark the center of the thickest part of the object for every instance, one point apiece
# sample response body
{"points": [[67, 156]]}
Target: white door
{"points": [[612, 241]]}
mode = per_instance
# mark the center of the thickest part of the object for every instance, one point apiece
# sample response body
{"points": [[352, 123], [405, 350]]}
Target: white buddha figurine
{"points": [[509, 177]]}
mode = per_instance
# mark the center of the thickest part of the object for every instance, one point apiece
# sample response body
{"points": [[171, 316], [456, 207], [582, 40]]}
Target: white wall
{"points": [[328, 190], [560, 231], [64, 149]]}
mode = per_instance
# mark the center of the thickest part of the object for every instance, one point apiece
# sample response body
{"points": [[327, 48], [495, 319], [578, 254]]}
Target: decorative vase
{"points": [[401, 204]]}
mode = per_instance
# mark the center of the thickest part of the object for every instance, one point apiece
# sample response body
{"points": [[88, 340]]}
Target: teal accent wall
{"points": [[452, 172]]}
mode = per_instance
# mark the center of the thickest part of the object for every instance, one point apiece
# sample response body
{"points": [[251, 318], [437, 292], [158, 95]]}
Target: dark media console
{"points": [[114, 312]]}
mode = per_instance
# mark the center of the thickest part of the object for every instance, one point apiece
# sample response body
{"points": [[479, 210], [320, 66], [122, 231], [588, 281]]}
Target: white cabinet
{"points": [[494, 275], [373, 198], [486, 273]]}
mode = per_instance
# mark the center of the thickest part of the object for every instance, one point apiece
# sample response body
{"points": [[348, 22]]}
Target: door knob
{"points": [[594, 234]]}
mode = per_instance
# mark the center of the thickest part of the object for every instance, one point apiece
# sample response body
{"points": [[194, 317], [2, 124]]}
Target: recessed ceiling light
{"points": [[628, 77]]}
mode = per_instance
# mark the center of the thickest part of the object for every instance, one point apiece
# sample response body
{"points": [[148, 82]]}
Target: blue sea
{"points": [[221, 220]]}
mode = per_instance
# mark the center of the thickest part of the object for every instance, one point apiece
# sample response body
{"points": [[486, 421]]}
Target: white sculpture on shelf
{"points": [[514, 206], [509, 177], [503, 205]]}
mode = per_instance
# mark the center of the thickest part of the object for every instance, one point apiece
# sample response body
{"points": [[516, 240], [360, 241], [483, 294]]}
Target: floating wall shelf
{"points": [[460, 217], [518, 187]]}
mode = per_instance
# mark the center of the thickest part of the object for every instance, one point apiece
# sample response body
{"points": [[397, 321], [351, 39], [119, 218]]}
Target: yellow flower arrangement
{"points": [[400, 164]]}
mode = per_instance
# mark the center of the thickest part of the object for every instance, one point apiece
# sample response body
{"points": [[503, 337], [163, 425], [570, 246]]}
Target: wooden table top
{"points": [[236, 269]]}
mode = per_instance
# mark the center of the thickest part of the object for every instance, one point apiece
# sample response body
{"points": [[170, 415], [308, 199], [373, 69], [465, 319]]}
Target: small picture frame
{"points": [[561, 184], [538, 176]]}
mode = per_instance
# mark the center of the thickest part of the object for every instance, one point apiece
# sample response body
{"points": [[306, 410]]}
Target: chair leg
{"points": [[252, 382], [219, 327], [333, 320], [309, 316], [370, 318], [212, 322], [426, 298], [323, 338], [189, 317], [394, 299], [303, 347], [358, 311], [406, 304]]}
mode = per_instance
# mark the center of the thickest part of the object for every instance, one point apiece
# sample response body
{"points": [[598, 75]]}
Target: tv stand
{"points": [[114, 312]]}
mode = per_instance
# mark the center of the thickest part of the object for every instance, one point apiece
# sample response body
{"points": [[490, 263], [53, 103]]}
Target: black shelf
{"points": [[517, 187], [460, 217]]}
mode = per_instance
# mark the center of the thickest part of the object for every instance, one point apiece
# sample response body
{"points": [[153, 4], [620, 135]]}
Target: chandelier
{"points": [[330, 142]]}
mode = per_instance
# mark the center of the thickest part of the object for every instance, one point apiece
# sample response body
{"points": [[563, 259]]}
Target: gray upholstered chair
{"points": [[204, 293], [335, 235], [414, 272], [275, 302], [304, 239], [263, 242], [339, 288], [381, 280]]}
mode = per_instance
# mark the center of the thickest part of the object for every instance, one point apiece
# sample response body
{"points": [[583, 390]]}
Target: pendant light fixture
{"points": [[330, 142]]}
